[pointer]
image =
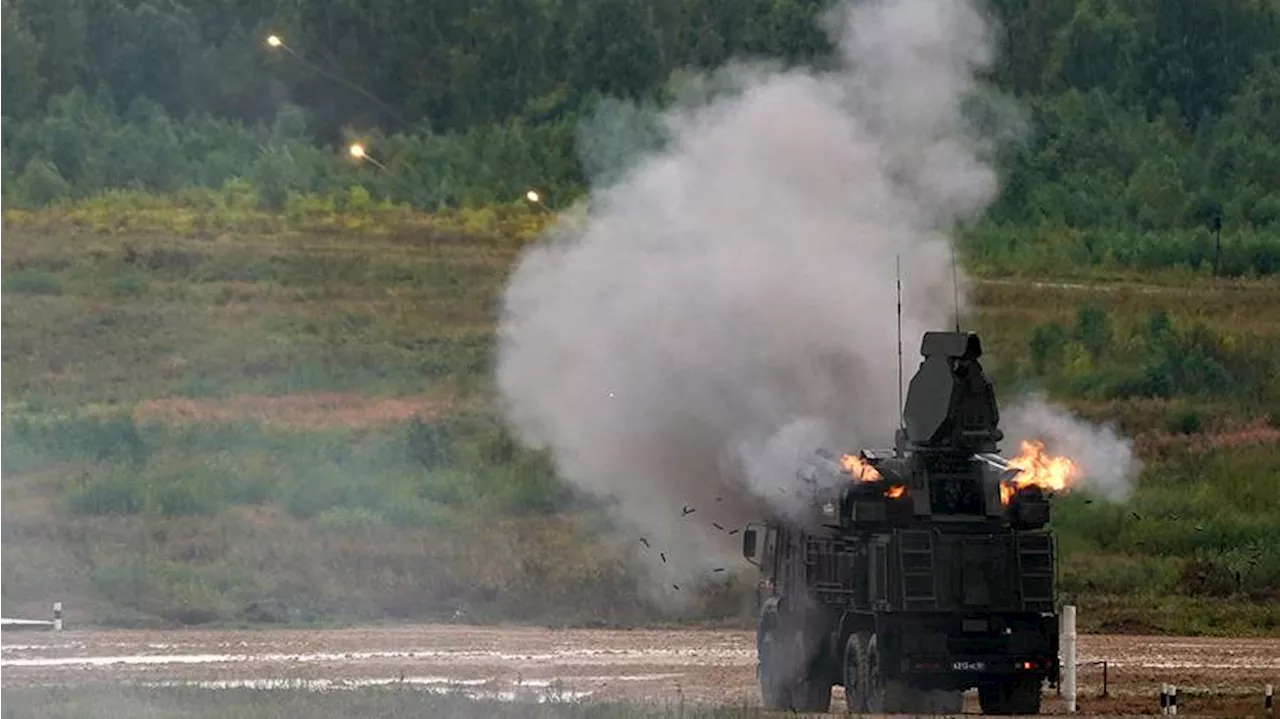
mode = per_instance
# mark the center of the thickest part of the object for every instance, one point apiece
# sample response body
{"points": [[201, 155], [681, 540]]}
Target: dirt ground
{"points": [[1213, 676]]}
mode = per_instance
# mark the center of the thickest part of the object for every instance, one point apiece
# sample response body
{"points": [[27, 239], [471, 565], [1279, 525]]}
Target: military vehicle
{"points": [[923, 571]]}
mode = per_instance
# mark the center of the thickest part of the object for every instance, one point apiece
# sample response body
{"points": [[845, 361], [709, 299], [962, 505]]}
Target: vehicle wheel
{"points": [[784, 679], [1016, 696], [881, 694], [773, 684], [812, 694], [855, 659], [810, 681]]}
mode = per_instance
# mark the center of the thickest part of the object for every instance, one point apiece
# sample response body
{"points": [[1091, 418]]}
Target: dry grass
{"points": [[318, 410]]}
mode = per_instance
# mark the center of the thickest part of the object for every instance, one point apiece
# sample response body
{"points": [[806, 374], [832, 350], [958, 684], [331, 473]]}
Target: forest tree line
{"points": [[1147, 115]]}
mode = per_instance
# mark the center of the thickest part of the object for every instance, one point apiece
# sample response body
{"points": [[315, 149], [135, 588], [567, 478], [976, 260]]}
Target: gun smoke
{"points": [[1105, 459], [726, 303]]}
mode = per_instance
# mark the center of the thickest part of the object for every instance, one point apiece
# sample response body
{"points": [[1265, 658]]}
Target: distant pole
{"points": [[57, 616], [1268, 702], [1069, 657], [1215, 226], [955, 287], [901, 419]]}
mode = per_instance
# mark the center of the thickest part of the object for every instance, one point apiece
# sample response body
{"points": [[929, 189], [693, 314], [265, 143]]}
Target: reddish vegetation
{"points": [[295, 411], [1256, 433]]}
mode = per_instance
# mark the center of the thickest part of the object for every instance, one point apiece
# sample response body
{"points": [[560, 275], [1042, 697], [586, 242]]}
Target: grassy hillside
{"points": [[214, 414]]}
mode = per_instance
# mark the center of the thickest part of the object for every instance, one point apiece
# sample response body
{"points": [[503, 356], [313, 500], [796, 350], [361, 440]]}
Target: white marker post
{"points": [[57, 616], [1268, 701], [1068, 659]]}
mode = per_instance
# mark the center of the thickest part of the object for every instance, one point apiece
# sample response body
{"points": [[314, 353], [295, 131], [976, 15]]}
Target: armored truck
{"points": [[923, 570]]}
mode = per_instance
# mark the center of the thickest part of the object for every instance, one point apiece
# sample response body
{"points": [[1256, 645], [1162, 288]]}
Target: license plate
{"points": [[968, 666]]}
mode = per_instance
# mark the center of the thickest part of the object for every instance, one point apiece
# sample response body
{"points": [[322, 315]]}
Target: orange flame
{"points": [[1040, 469], [859, 468], [895, 491]]}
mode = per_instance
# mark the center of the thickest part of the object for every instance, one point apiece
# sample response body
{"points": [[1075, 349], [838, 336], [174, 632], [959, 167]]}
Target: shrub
{"points": [[1093, 330], [98, 439], [110, 492], [1186, 421], [31, 282], [1046, 346]]}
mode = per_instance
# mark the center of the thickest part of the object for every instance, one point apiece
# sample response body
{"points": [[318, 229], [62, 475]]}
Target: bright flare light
{"points": [[274, 41], [533, 196], [357, 150]]}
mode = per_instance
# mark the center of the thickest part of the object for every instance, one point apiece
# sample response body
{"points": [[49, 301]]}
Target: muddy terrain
{"points": [[1220, 676]]}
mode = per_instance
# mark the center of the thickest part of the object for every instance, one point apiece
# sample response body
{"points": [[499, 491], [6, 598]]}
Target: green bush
{"points": [[97, 439], [1186, 421], [31, 282], [1162, 360], [1047, 343], [105, 493], [132, 284]]}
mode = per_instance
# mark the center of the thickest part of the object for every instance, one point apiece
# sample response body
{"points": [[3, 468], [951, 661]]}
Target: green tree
{"points": [[1197, 54], [1093, 330], [1046, 346], [41, 183], [20, 58], [617, 49]]}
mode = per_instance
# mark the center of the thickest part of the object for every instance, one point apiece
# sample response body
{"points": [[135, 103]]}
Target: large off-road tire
{"points": [[787, 679], [774, 692], [1015, 696], [855, 659], [812, 694], [882, 695], [866, 690]]}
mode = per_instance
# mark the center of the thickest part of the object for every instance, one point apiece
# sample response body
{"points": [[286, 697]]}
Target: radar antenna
{"points": [[901, 420], [955, 287]]}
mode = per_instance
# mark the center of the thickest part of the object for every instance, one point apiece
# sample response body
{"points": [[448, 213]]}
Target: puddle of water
{"points": [[433, 684], [629, 677], [316, 684], [197, 659], [1257, 663], [26, 622], [576, 656]]}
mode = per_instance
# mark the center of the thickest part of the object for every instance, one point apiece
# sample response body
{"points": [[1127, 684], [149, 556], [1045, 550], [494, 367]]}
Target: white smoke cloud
{"points": [[1105, 458], [727, 303]]}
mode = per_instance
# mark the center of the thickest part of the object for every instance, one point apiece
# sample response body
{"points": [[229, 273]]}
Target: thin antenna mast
{"points": [[955, 287], [901, 420]]}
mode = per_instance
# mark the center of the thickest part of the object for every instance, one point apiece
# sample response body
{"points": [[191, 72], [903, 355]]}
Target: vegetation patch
{"points": [[255, 450]]}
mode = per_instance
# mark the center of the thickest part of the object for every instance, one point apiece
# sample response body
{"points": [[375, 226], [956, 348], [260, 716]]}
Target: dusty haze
{"points": [[727, 303]]}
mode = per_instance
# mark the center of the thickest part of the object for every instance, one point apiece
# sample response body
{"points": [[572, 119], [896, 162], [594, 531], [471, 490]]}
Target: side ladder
{"points": [[915, 556], [1035, 571]]}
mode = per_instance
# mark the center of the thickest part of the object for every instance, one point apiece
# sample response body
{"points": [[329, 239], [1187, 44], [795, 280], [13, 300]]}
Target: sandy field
{"points": [[1214, 676]]}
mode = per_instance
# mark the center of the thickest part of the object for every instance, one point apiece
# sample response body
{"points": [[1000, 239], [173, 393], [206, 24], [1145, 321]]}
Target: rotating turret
{"points": [[951, 404]]}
